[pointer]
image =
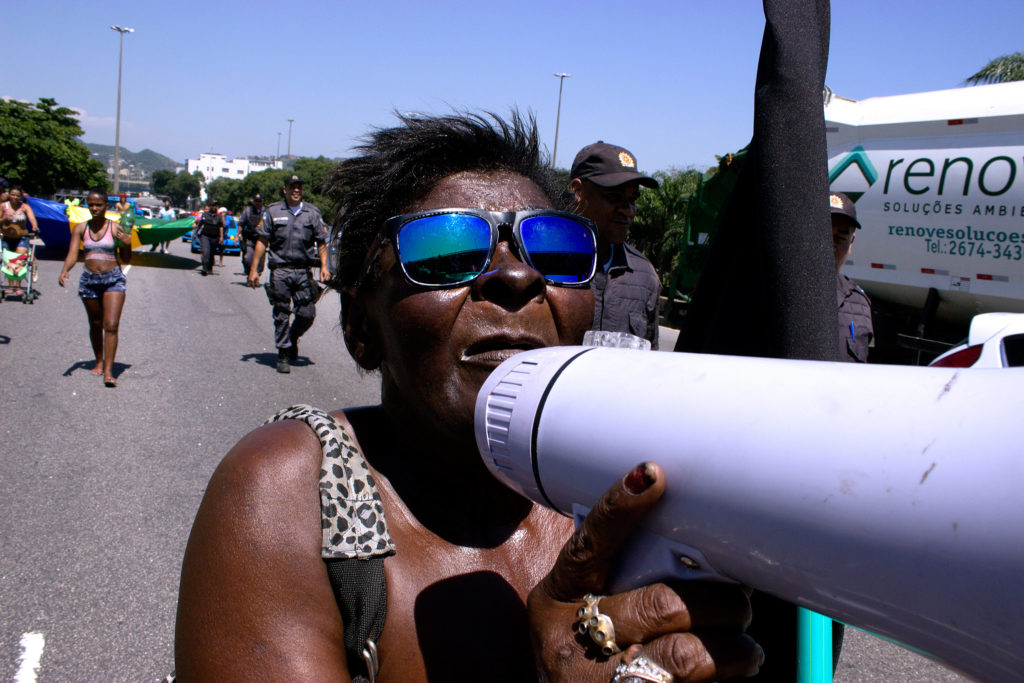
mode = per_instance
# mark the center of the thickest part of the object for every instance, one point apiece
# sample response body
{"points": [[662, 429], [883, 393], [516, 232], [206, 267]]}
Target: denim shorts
{"points": [[93, 285]]}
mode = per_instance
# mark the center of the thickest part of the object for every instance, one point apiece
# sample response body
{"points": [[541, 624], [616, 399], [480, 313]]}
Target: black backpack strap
{"points": [[355, 537], [361, 593]]}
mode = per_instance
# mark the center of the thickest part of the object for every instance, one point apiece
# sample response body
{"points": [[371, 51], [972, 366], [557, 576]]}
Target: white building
{"points": [[214, 166]]}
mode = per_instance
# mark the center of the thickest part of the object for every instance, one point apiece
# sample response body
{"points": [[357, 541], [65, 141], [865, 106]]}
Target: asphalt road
{"points": [[99, 486]]}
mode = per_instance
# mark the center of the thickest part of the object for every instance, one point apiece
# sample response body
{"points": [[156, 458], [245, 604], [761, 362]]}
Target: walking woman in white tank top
{"points": [[102, 285]]}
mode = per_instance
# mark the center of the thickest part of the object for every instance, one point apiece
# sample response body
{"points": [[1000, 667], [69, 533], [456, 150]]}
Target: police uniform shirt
{"points": [[292, 237], [248, 221], [210, 224], [856, 331], [626, 292]]}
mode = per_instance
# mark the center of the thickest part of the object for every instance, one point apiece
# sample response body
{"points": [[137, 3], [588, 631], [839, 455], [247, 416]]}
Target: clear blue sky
{"points": [[670, 80]]}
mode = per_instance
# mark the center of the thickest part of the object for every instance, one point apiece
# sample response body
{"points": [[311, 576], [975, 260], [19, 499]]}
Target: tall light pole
{"points": [[117, 128], [561, 79], [278, 156], [290, 138]]}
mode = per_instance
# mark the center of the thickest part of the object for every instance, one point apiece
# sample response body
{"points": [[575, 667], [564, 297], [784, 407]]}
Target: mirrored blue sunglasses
{"points": [[449, 247]]}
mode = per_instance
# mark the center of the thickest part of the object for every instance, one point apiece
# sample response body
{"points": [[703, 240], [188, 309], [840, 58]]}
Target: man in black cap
{"points": [[251, 217], [606, 184], [856, 331], [294, 234]]}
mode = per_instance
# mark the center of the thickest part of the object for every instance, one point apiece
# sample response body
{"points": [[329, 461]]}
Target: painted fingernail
{"points": [[760, 657], [640, 479]]}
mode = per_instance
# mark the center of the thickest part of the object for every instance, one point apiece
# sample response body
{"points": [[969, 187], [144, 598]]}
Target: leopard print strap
{"points": [[351, 512]]}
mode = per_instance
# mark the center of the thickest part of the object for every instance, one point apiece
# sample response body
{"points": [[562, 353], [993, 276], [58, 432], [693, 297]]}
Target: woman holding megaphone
{"points": [[444, 273], [373, 542]]}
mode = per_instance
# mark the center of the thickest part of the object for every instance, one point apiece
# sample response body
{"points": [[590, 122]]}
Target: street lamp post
{"points": [[561, 79], [278, 155], [290, 138], [117, 127]]}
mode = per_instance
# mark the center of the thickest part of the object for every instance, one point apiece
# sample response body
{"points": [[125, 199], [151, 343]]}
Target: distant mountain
{"points": [[147, 160]]}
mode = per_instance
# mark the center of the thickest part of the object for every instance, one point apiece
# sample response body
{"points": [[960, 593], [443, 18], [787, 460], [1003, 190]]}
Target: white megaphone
{"points": [[887, 497]]}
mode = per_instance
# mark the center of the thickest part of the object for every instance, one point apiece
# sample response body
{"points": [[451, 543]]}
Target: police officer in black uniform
{"points": [[251, 217], [294, 234], [856, 331], [209, 227]]}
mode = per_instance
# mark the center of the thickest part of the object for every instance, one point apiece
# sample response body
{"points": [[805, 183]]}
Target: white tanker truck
{"points": [[938, 182]]}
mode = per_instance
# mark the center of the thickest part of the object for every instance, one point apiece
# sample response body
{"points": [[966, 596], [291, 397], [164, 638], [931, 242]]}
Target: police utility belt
{"points": [[307, 291]]}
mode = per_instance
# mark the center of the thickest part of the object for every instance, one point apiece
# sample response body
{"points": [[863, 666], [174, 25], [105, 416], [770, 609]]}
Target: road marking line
{"points": [[31, 653], [126, 269]]}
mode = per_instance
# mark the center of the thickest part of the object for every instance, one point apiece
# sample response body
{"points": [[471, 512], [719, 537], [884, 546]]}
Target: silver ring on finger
{"points": [[640, 670], [598, 626]]}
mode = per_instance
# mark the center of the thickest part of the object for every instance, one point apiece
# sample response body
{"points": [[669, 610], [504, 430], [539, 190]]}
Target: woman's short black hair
{"points": [[400, 165]]}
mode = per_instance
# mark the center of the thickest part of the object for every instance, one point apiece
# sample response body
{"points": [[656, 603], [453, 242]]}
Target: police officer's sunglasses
{"points": [[449, 247]]}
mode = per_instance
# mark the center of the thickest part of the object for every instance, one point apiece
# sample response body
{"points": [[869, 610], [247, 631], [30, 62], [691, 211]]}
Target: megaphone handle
{"points": [[647, 558]]}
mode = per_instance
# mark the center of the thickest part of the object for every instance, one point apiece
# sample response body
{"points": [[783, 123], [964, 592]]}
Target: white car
{"points": [[995, 340]]}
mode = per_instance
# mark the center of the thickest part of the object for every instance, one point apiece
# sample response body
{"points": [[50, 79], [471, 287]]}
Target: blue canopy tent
{"points": [[53, 222]]}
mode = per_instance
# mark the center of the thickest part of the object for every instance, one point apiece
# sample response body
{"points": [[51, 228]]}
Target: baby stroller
{"points": [[20, 273]]}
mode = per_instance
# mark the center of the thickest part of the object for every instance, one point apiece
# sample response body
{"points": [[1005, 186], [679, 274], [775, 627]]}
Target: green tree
{"points": [[659, 228], [562, 180], [314, 174], [703, 206], [183, 186], [40, 150], [269, 183], [227, 192], [235, 193], [1000, 70], [159, 180]]}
